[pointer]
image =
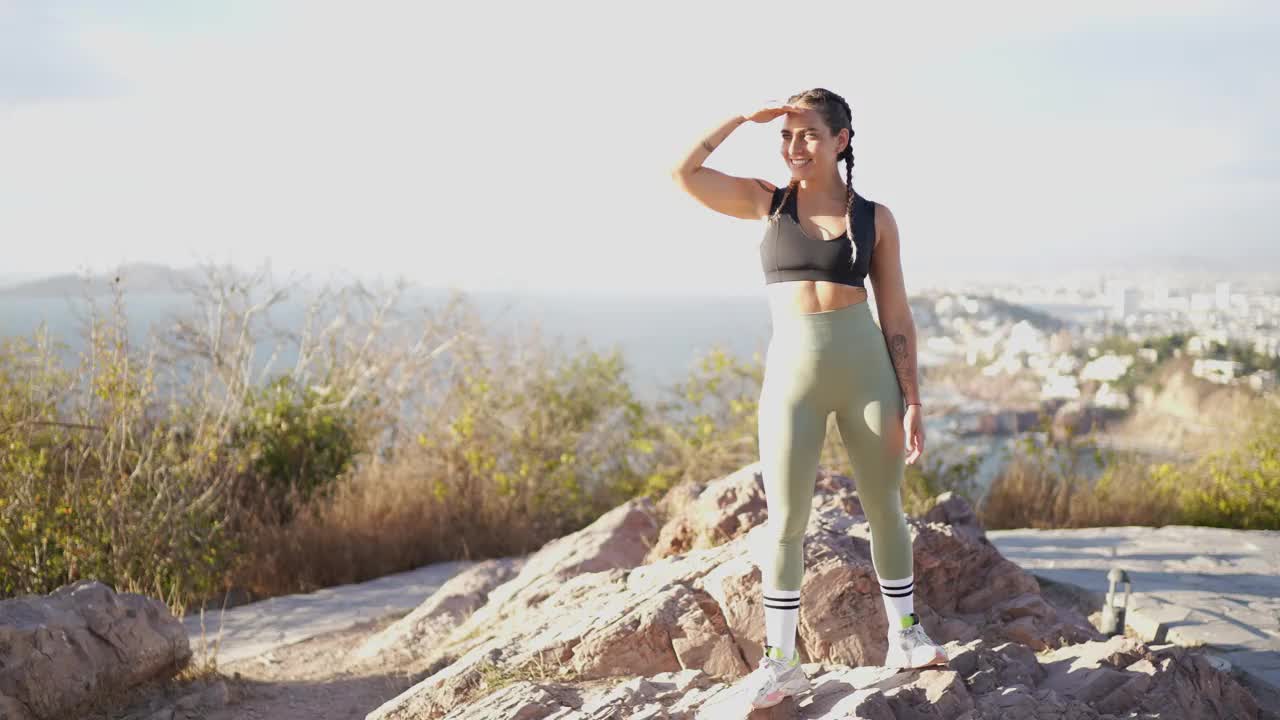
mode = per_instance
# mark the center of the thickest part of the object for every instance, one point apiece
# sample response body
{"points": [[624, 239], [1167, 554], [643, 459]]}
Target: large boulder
{"points": [[60, 651], [705, 515], [1093, 680], [584, 607], [964, 588], [422, 630], [627, 620]]}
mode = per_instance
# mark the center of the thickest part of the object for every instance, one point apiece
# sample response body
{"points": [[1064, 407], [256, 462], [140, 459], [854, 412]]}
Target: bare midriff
{"points": [[813, 296]]}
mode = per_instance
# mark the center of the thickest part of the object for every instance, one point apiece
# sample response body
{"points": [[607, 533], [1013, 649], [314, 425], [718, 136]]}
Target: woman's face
{"points": [[807, 141]]}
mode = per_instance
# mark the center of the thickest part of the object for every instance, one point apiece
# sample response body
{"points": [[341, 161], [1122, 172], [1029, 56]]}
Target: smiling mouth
{"points": [[799, 163]]}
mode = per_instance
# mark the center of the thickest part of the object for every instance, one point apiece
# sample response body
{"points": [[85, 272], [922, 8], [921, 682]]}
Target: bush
{"points": [[1043, 487], [1040, 486], [92, 484], [379, 452], [941, 469], [122, 467], [707, 425], [1233, 488], [521, 444], [541, 440], [296, 443]]}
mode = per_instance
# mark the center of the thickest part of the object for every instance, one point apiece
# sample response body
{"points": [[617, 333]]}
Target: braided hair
{"points": [[835, 112]]}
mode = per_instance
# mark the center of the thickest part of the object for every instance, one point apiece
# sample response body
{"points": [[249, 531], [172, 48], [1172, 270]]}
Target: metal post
{"points": [[1113, 613]]}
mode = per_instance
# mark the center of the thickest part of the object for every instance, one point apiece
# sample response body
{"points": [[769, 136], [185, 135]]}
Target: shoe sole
{"points": [[784, 696], [936, 662], [755, 706]]}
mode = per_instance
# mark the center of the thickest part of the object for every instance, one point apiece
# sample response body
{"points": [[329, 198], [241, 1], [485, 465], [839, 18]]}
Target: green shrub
{"points": [[941, 469], [321, 477], [544, 443], [296, 442], [1047, 483], [1234, 488], [707, 425], [92, 485]]}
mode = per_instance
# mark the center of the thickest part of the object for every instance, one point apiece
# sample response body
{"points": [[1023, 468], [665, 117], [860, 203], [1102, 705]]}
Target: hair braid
{"points": [[847, 156], [848, 211]]}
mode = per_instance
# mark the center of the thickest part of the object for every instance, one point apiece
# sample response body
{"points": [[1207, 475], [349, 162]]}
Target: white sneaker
{"points": [[774, 679], [910, 647]]}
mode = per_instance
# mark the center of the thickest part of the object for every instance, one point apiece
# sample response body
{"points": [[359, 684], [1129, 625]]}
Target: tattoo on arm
{"points": [[903, 363], [763, 185], [708, 146]]}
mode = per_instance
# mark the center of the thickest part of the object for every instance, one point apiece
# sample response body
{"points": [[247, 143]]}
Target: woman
{"points": [[826, 354]]}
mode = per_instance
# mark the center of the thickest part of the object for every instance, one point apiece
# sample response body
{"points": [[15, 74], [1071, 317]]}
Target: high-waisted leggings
{"points": [[817, 364]]}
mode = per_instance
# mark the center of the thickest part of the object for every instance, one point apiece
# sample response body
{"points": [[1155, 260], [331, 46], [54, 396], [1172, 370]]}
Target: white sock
{"points": [[781, 611], [897, 599]]}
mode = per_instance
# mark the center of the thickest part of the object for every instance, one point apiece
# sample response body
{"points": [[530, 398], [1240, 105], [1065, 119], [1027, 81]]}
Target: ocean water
{"points": [[660, 339]]}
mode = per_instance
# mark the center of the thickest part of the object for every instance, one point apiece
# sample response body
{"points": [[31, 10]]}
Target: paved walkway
{"points": [[259, 627], [1191, 585]]}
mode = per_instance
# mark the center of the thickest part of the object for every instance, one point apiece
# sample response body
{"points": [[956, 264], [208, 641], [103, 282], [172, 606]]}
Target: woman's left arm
{"points": [[891, 303]]}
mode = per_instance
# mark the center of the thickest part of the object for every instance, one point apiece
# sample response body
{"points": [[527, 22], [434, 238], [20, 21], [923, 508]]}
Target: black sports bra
{"points": [[788, 253]]}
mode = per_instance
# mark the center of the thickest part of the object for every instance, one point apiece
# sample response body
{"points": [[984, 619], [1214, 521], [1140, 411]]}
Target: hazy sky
{"points": [[526, 144]]}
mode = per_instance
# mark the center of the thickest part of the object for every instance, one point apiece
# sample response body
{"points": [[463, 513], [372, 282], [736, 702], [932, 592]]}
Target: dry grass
{"points": [[1029, 495], [490, 677], [1237, 486]]}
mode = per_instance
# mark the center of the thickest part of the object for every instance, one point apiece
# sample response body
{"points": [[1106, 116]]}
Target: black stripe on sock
{"points": [[777, 606], [781, 599], [897, 587], [895, 594]]}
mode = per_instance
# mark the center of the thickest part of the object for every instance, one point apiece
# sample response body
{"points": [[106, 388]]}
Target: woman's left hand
{"points": [[913, 428]]}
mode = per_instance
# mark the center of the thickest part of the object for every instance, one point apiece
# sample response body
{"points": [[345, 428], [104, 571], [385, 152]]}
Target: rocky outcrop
{"points": [[707, 515], [628, 620], [1094, 680], [61, 651], [633, 618], [965, 588], [422, 630]]}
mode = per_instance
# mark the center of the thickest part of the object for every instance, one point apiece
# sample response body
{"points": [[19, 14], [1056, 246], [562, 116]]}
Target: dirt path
{"points": [[307, 680], [303, 681]]}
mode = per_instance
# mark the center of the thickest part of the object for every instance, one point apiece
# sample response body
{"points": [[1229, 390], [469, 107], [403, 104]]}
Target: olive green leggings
{"points": [[817, 364]]}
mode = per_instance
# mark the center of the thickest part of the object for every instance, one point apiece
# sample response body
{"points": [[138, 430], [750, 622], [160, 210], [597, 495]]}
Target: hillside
{"points": [[140, 278]]}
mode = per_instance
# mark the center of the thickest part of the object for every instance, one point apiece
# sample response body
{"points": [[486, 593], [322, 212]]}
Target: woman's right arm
{"points": [[747, 198]]}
